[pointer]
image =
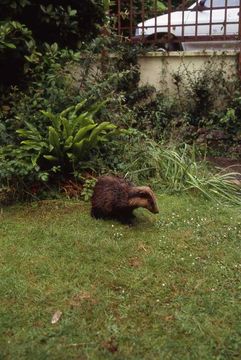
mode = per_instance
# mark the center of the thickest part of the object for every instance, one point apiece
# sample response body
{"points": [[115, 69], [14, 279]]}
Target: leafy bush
{"points": [[16, 167], [230, 121], [64, 77], [61, 151], [54, 84], [155, 114], [197, 92], [17, 52], [50, 86], [71, 136], [87, 190]]}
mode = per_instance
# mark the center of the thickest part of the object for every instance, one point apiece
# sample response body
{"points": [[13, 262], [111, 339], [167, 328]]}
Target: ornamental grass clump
{"points": [[179, 169], [182, 171]]}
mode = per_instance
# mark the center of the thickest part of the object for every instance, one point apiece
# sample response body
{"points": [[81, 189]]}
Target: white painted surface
{"points": [[158, 68]]}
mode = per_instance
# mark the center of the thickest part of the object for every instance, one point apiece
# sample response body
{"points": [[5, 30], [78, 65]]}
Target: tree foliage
{"points": [[64, 22], [25, 25]]}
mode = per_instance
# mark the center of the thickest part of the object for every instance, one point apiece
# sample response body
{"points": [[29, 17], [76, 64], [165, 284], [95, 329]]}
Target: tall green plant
{"points": [[71, 136], [179, 170]]}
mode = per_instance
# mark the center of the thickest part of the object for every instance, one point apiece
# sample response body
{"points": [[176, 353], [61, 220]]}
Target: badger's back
{"points": [[114, 197], [110, 196]]}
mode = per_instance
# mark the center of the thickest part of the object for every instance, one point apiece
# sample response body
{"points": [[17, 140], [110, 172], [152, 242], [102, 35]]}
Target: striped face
{"points": [[143, 196]]}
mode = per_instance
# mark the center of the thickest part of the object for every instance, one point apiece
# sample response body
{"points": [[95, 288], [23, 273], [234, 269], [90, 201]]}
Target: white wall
{"points": [[158, 68]]}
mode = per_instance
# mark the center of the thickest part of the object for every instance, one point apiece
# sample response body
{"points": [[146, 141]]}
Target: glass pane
{"points": [[221, 3]]}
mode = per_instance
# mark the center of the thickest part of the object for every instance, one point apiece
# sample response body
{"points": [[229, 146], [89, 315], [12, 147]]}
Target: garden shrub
{"points": [[49, 85], [71, 135], [197, 92]]}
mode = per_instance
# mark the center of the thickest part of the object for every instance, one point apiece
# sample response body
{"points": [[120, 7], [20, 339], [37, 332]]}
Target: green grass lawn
{"points": [[168, 287]]}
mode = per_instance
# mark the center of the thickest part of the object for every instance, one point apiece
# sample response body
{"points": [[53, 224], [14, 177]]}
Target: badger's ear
{"points": [[140, 191], [143, 193], [133, 192]]}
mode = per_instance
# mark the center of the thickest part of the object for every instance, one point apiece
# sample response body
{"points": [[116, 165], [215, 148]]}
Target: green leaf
{"points": [[80, 105], [50, 157], [9, 45], [67, 130], [79, 147], [96, 107], [68, 143], [34, 159], [82, 132], [65, 111], [103, 126], [70, 156], [82, 120], [55, 119], [106, 5], [32, 133], [22, 132], [54, 140]]}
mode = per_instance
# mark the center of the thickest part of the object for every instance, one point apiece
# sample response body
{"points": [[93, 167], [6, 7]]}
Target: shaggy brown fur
{"points": [[114, 197]]}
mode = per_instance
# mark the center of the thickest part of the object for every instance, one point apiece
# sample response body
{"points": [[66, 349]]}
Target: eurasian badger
{"points": [[114, 197]]}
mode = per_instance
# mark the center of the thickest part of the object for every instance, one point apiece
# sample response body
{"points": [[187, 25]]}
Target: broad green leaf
{"points": [[9, 45], [32, 128], [30, 145], [82, 120], [22, 132], [82, 132], [65, 111], [70, 156], [54, 139], [34, 159], [80, 105], [28, 134], [79, 147], [96, 107], [67, 130], [103, 126], [51, 157], [68, 142], [55, 119]]}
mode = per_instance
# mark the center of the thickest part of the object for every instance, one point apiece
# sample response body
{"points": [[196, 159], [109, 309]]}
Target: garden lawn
{"points": [[166, 288]]}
